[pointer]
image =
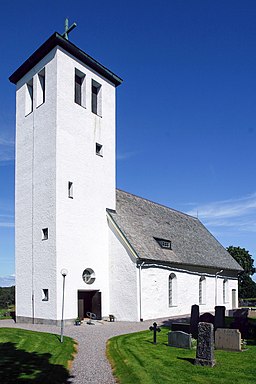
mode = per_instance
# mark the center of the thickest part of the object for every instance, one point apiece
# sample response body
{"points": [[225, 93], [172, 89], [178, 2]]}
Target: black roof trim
{"points": [[52, 42]]}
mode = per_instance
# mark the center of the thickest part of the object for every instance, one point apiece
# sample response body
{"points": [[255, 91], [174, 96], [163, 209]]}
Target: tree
{"points": [[7, 296], [246, 286]]}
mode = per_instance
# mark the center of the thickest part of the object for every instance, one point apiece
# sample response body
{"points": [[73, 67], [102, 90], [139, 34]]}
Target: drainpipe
{"points": [[216, 277], [140, 266]]}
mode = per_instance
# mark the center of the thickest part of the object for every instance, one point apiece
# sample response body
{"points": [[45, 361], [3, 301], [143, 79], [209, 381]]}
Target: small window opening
{"points": [[70, 190], [45, 234], [96, 98], [172, 290], [41, 88], [99, 149], [45, 294], [80, 91], [202, 286], [164, 243], [29, 97]]}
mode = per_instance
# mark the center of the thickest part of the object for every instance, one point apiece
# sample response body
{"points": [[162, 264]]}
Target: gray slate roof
{"points": [[141, 221]]}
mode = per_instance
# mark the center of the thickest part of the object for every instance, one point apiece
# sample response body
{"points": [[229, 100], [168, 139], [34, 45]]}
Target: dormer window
{"points": [[166, 244]]}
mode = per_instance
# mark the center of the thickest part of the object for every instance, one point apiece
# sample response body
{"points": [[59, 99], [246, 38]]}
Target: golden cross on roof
{"points": [[68, 29]]}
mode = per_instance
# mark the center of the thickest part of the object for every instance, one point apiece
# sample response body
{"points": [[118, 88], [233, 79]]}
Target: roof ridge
{"points": [[159, 204]]}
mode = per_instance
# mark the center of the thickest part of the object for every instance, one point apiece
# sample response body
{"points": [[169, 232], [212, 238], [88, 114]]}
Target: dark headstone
{"points": [[205, 345], [194, 320], [241, 312], [242, 324], [184, 327], [206, 318], [219, 321], [179, 339]]}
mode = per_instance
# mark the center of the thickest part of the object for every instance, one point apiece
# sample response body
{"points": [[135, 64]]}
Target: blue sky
{"points": [[186, 111]]}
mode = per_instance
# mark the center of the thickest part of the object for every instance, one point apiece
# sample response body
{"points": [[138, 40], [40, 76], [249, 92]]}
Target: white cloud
{"points": [[7, 281], [221, 212], [6, 149], [125, 155]]}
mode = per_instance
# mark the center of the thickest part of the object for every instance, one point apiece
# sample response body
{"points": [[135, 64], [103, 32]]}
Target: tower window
{"points": [[70, 190], [45, 294], [29, 97], [45, 234], [80, 90], [41, 88], [96, 98], [99, 149]]}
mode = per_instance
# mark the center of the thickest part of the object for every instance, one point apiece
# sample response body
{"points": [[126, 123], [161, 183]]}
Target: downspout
{"points": [[140, 266]]}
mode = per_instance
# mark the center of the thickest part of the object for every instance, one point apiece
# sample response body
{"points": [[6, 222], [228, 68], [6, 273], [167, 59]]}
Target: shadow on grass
{"points": [[18, 366], [189, 359]]}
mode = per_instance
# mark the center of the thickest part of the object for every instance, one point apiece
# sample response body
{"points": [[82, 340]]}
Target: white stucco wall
{"points": [[35, 195], [123, 280], [82, 231], [55, 144], [155, 292]]}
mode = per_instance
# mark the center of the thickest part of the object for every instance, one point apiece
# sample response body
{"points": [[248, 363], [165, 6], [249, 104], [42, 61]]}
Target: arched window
{"points": [[225, 291], [202, 286], [172, 290]]}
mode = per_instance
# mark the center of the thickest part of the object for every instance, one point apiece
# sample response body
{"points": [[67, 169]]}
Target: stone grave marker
{"points": [[194, 320], [219, 321], [228, 339], [179, 339], [206, 317], [205, 345]]}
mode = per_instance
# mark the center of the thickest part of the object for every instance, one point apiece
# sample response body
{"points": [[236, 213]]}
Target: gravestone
{"points": [[219, 321], [184, 327], [206, 318], [228, 339], [241, 313], [205, 345], [179, 339], [194, 320]]}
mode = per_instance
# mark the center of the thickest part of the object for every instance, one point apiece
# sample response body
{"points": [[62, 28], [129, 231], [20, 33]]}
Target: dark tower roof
{"points": [[57, 40]]}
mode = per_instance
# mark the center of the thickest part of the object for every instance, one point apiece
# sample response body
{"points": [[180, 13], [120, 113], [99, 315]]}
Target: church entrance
{"points": [[89, 301]]}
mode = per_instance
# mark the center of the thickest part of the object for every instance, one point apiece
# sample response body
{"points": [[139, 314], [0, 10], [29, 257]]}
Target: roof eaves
{"points": [[110, 216], [57, 40]]}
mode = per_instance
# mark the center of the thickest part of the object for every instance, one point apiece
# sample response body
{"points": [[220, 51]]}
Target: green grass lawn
{"points": [[135, 359], [34, 357]]}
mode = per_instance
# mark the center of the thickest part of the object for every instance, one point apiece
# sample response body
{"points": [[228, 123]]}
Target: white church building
{"points": [[117, 253]]}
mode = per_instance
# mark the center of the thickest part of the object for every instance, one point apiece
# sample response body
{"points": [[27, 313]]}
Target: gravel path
{"points": [[90, 364]]}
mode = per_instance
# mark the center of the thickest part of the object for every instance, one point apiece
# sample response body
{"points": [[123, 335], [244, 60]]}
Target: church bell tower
{"points": [[65, 181]]}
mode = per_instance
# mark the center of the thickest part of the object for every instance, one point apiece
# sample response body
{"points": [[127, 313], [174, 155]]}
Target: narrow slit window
{"points": [[96, 98], [70, 189], [45, 294], [29, 97], [45, 234], [99, 149], [202, 287], [172, 290], [80, 91], [41, 88]]}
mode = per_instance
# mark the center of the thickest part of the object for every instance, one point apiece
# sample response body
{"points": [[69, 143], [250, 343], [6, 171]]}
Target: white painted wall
{"points": [[82, 231], [155, 295], [123, 280], [35, 195], [55, 144]]}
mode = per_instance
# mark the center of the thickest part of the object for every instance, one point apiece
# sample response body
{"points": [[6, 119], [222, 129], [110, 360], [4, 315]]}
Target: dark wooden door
{"points": [[81, 308], [96, 305]]}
